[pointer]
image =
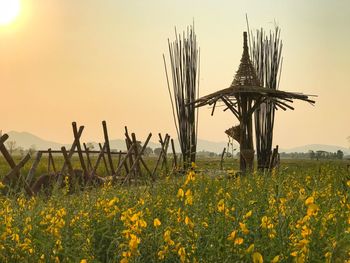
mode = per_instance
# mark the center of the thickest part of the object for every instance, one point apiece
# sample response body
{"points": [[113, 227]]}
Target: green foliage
{"points": [[301, 212]]}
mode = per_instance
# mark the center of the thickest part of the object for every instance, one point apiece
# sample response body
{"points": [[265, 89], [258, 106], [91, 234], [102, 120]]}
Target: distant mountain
{"points": [[26, 140], [316, 147], [216, 147], [202, 145]]}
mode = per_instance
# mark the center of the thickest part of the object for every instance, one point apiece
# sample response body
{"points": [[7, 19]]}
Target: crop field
{"points": [[299, 213]]}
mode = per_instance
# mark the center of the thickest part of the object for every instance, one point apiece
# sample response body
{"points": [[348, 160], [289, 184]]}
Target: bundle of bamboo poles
{"points": [[184, 64], [266, 56]]}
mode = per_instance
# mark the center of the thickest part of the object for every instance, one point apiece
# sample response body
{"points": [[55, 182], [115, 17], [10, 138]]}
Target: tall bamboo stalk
{"points": [[266, 56], [184, 64]]}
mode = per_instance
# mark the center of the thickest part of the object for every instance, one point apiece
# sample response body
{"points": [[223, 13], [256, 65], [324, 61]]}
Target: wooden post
{"points": [[72, 149], [137, 166], [103, 157], [105, 133], [51, 162], [4, 151], [67, 161], [33, 168], [129, 152], [88, 156], [98, 159], [128, 143], [15, 173], [162, 154], [174, 154], [15, 168], [222, 158], [138, 156], [164, 144], [80, 154]]}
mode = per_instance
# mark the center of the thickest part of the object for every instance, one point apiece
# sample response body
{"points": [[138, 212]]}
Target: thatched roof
{"points": [[246, 84], [246, 74]]}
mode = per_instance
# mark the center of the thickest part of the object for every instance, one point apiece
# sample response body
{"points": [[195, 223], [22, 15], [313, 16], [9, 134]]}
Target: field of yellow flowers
{"points": [[299, 213]]}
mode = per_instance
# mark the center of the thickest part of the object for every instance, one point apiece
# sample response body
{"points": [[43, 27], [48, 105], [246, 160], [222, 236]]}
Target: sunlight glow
{"points": [[9, 10]]}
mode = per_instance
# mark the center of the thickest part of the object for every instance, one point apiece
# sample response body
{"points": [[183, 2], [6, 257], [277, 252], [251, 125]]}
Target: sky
{"points": [[89, 60]]}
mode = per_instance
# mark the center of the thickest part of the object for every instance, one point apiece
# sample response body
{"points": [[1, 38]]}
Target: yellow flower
{"points": [[134, 217], [134, 242], [312, 209], [305, 231], [180, 193], [189, 222], [244, 228], [15, 237], [221, 205], [309, 200], [238, 241], [275, 259], [247, 215], [189, 199], [190, 177], [264, 222], [126, 254], [112, 201], [162, 253], [257, 258], [83, 261], [250, 249], [142, 223], [182, 253], [294, 253], [156, 222], [232, 235], [167, 238]]}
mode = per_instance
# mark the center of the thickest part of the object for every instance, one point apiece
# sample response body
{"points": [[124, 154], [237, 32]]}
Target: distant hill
{"points": [[26, 140], [316, 147], [202, 145]]}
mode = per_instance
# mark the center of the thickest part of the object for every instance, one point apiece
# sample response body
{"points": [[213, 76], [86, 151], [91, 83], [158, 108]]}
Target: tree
{"points": [[312, 154], [157, 151], [90, 145], [20, 151], [148, 151], [32, 149], [340, 155], [11, 145]]}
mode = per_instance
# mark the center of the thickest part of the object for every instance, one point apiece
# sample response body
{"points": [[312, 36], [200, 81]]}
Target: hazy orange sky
{"points": [[89, 61]]}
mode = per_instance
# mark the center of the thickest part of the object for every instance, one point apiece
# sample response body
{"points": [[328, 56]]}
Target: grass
{"points": [[300, 213]]}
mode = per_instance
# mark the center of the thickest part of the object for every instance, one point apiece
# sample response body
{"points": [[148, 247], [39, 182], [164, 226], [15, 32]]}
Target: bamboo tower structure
{"points": [[243, 97], [266, 57], [184, 63]]}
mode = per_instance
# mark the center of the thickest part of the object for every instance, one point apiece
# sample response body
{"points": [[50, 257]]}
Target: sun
{"points": [[9, 10]]}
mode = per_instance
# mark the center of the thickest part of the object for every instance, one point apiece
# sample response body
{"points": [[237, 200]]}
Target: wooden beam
{"points": [[33, 168], [72, 149], [105, 133], [80, 154]]}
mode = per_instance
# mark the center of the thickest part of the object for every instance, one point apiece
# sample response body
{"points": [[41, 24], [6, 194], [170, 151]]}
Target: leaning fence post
{"points": [[33, 168]]}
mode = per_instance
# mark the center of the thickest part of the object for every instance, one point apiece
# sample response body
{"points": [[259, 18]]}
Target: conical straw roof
{"points": [[246, 74]]}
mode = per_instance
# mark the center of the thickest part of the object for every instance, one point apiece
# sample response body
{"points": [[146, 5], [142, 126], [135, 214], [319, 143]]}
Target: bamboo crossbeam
{"points": [[83, 151]]}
